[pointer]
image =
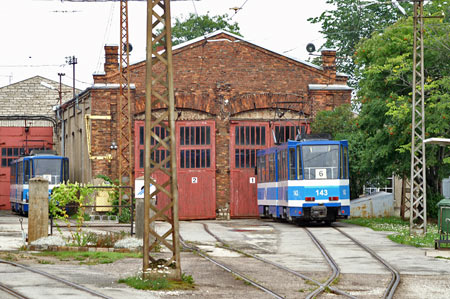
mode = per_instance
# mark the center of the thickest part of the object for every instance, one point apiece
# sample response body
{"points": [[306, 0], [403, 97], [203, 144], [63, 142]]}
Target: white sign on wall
{"points": [[252, 180], [139, 188], [194, 180]]}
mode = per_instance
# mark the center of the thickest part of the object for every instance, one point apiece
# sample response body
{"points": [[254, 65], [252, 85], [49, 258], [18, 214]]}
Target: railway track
{"points": [[13, 293], [331, 262], [395, 279], [395, 275], [225, 245]]}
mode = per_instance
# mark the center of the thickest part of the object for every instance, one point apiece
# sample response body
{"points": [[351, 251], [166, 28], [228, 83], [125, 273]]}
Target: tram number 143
{"points": [[322, 192]]}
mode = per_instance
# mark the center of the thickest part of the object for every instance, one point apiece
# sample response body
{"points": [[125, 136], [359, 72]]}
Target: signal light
{"points": [[333, 198], [299, 212], [310, 198], [342, 212]]}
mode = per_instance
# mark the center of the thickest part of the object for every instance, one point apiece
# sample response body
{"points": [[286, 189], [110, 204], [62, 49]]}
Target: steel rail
{"points": [[331, 262], [62, 280], [238, 274], [12, 292], [228, 247], [395, 280]]}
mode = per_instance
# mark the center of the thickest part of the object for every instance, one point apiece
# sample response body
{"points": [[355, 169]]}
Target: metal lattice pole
{"points": [[418, 206], [160, 94], [124, 108]]}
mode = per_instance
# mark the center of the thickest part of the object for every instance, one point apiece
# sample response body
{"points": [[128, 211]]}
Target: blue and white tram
{"points": [[304, 181], [44, 164]]}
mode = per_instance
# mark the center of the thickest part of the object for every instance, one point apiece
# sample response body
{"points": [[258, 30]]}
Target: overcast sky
{"points": [[38, 35]]}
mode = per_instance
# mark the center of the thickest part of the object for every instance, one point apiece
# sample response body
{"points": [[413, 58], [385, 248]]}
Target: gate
{"points": [[195, 167], [246, 139]]}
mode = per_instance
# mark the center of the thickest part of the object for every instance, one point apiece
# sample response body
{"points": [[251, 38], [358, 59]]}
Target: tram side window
{"points": [[272, 168], [264, 169], [20, 173], [279, 166], [292, 172], [345, 162], [66, 170], [299, 164], [26, 171], [260, 169]]}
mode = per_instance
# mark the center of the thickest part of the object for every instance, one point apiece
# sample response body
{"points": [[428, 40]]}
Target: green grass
{"points": [[400, 230], [89, 258], [160, 283]]}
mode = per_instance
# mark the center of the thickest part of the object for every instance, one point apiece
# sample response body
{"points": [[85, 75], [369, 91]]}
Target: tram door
{"points": [[246, 139]]}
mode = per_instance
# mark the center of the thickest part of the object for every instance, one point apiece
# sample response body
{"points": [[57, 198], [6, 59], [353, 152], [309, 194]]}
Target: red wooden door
{"points": [[16, 141], [158, 155], [246, 139], [196, 169], [195, 156]]}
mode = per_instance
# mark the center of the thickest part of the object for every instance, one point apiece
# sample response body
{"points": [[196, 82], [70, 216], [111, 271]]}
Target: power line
{"points": [[237, 10], [195, 8], [32, 65], [107, 30]]}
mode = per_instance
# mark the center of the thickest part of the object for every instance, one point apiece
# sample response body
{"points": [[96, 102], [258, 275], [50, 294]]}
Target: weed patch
{"points": [[159, 283], [89, 258], [400, 229]]}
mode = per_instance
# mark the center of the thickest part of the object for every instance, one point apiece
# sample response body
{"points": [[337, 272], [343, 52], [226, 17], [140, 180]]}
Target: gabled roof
{"points": [[43, 83], [218, 32]]}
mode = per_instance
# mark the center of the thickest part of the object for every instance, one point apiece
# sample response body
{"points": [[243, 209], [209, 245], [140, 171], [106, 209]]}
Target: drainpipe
{"points": [[63, 130], [77, 100]]}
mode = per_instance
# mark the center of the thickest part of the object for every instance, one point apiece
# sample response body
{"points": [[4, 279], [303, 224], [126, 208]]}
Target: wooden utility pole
{"points": [[159, 93]]}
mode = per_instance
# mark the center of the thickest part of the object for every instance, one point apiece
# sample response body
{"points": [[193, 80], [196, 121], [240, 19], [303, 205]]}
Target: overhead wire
{"points": [[239, 9], [195, 8], [106, 34]]}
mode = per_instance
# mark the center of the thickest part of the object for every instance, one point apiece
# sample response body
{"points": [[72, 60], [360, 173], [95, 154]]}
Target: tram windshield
{"points": [[320, 161], [50, 169]]}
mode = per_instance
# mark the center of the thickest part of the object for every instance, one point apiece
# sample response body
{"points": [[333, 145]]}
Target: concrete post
{"points": [[38, 209], [140, 218]]}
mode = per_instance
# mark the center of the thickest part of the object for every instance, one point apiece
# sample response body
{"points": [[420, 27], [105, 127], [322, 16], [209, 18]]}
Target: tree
{"points": [[349, 23], [342, 124], [194, 26], [384, 65]]}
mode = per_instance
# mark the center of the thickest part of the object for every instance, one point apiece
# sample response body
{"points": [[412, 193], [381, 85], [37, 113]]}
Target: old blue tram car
{"points": [[44, 164], [304, 181]]}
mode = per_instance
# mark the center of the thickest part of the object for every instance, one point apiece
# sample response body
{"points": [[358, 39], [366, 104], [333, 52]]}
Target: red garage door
{"points": [[246, 139], [195, 167], [14, 142]]}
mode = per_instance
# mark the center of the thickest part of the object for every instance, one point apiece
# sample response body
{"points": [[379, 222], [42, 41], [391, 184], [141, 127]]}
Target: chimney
{"points": [[111, 58], [329, 65]]}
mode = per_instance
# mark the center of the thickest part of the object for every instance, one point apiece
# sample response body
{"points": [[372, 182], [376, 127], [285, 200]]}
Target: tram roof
{"points": [[39, 156], [293, 143]]}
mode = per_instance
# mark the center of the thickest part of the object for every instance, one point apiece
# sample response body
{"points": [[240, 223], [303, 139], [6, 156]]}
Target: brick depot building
{"points": [[27, 121], [231, 98]]}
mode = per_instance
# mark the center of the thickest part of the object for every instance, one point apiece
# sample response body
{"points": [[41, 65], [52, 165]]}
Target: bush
{"points": [[432, 200]]}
